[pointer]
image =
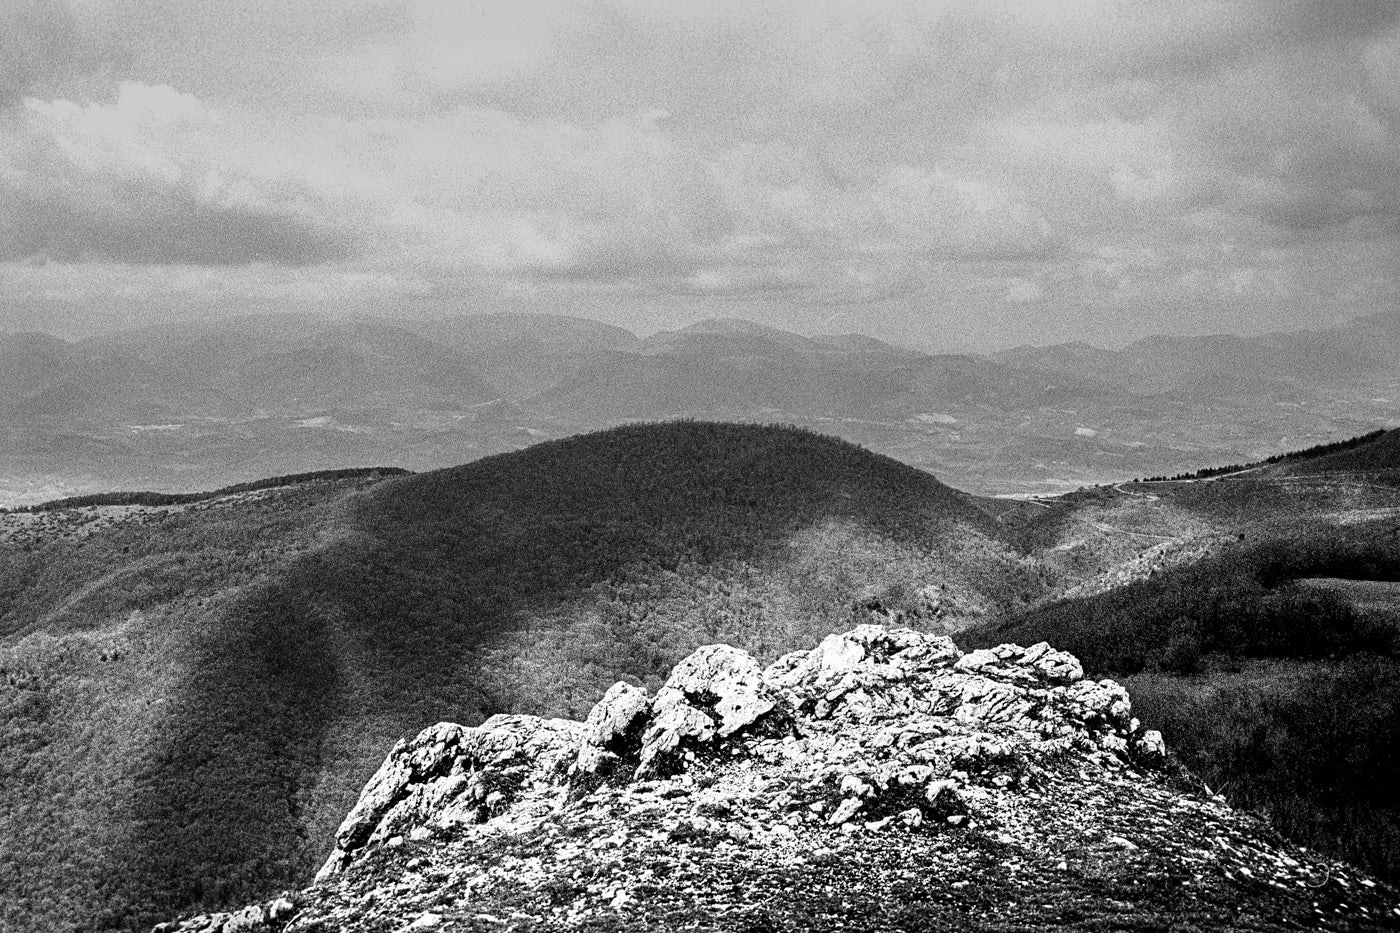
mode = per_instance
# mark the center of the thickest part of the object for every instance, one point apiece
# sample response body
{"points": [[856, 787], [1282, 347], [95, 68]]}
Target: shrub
{"points": [[1182, 654], [1315, 750]]}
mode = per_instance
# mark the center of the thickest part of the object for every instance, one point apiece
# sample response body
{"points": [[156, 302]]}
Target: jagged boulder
{"points": [[945, 701], [454, 774], [713, 694], [612, 734], [1015, 664], [255, 918]]}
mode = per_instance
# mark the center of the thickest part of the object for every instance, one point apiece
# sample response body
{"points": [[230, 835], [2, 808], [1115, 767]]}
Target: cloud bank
{"points": [[942, 171]]}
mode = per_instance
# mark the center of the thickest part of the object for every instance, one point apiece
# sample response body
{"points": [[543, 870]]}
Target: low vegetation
{"points": [[1317, 451], [186, 498], [1312, 747], [1299, 715], [1243, 603]]}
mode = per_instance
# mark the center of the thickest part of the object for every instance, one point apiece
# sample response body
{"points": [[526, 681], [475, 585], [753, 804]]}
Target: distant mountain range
{"points": [[198, 405]]}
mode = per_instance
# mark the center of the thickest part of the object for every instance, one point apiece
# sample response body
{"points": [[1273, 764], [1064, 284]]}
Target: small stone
{"points": [[281, 908], [1149, 747], [851, 784], [937, 788], [844, 811]]}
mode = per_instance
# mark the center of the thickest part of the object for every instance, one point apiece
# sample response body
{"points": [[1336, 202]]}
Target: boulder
{"points": [[612, 734], [911, 701], [450, 773], [714, 693]]}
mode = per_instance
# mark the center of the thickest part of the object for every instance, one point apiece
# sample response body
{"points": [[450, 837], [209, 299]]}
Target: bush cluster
{"points": [[1313, 749], [1246, 602]]}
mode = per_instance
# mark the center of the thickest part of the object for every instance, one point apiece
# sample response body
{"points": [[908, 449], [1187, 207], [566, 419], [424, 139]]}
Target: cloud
{"points": [[906, 155], [36, 37], [152, 178], [1022, 291]]}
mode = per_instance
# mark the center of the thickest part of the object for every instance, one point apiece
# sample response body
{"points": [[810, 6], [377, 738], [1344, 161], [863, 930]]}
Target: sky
{"points": [[950, 175]]}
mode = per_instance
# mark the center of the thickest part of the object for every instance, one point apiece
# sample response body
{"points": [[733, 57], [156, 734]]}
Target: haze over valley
{"points": [[193, 406]]}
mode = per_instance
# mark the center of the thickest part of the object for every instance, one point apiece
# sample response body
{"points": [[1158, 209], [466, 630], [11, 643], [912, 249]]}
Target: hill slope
{"points": [[1257, 640], [1377, 453], [194, 693]]}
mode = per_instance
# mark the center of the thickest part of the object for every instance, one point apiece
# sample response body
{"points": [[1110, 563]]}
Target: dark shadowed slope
{"points": [[1375, 453], [188, 733]]}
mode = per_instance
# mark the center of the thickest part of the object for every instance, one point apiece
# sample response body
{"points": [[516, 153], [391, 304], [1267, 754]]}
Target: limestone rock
{"points": [[1149, 748], [723, 681], [715, 692], [612, 733], [450, 773], [1024, 665], [882, 760], [255, 918]]}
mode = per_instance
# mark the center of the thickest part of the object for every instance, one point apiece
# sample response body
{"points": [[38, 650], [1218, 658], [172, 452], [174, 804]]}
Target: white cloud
{"points": [[1022, 291], [154, 177]]}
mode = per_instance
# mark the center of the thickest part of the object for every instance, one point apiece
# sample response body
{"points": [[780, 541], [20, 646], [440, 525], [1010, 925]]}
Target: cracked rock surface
{"points": [[882, 781]]}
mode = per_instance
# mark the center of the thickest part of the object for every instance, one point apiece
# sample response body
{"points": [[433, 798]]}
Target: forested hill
{"points": [[193, 694], [1376, 452]]}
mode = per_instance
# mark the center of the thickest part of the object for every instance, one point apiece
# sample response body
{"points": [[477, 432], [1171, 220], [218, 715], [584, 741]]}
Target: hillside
{"points": [[193, 693], [1377, 454], [881, 781], [1261, 635]]}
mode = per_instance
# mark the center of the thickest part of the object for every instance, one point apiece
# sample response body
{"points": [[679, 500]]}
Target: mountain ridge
{"points": [[211, 403]]}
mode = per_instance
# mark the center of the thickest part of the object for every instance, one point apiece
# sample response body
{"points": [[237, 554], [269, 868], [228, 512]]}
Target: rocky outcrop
{"points": [[451, 774], [882, 772]]}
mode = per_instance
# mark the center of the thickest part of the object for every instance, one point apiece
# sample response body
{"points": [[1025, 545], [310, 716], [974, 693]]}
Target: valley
{"points": [[202, 405]]}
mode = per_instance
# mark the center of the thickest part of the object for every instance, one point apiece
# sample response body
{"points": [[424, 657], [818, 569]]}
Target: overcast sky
{"points": [[956, 174]]}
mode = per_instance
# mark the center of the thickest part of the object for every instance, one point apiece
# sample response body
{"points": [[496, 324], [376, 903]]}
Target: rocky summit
{"points": [[883, 780]]}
